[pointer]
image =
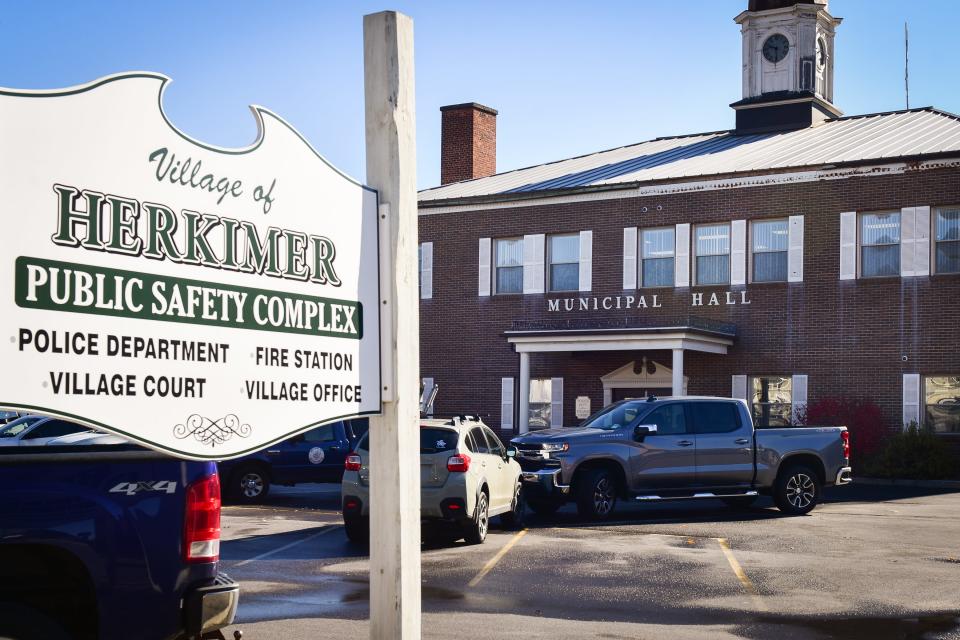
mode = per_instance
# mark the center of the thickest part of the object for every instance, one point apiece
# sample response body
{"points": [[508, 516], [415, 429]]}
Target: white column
{"points": [[678, 372], [523, 405], [394, 440]]}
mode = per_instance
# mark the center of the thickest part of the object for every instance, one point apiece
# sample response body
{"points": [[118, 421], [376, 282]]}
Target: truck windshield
{"points": [[615, 416]]}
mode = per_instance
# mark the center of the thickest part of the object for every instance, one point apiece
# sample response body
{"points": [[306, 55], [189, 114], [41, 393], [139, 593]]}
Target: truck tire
{"points": [[596, 491], [797, 490], [513, 519], [357, 530], [250, 483], [476, 529], [740, 502], [18, 622]]}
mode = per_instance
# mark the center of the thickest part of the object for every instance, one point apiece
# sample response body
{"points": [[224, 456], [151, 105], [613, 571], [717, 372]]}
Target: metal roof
{"points": [[880, 138]]}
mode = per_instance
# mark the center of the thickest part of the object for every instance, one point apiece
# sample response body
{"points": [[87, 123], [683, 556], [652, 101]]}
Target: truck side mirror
{"points": [[641, 431]]}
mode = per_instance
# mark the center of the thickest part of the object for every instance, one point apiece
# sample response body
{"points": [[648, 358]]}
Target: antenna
{"points": [[906, 62]]}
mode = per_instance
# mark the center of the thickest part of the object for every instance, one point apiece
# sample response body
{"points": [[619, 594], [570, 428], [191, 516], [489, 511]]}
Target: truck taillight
{"points": [[845, 436], [201, 538], [353, 462], [459, 462]]}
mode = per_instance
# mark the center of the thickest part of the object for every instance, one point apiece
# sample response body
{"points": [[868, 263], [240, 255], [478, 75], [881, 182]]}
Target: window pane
{"points": [[879, 228], [540, 396], [713, 270], [436, 440], [714, 417], [948, 224], [882, 260], [770, 235], [713, 240], [669, 420], [564, 277], [510, 253], [658, 272], [320, 434], [943, 403], [480, 440], [509, 279], [540, 390], [771, 401], [770, 266], [564, 249], [658, 243], [948, 257]]}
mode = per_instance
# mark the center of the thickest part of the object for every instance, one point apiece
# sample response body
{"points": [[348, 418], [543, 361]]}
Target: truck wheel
{"points": [[357, 530], [740, 502], [476, 530], [596, 493], [249, 483], [18, 622], [513, 519], [797, 490], [543, 507]]}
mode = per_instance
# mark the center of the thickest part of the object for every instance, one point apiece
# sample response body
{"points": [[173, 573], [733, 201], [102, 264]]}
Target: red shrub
{"points": [[862, 418]]}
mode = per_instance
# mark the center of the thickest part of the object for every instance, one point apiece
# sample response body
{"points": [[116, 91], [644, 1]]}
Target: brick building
{"points": [[799, 256]]}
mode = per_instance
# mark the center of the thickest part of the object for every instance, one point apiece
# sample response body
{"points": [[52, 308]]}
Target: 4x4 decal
{"points": [[133, 488]]}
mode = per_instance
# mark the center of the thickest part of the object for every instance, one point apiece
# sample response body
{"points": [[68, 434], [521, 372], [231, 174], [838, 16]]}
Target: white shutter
{"points": [[795, 250], [681, 264], [586, 260], [911, 398], [738, 252], [908, 224], [506, 404], [921, 242], [533, 271], [799, 399], [426, 270], [556, 402], [484, 278], [739, 390], [630, 258], [848, 245], [425, 406]]}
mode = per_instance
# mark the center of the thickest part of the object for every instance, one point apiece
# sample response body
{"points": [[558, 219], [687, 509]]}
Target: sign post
{"points": [[394, 437]]}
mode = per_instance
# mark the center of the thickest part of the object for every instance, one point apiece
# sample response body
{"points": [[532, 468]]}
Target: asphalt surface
{"points": [[872, 563]]}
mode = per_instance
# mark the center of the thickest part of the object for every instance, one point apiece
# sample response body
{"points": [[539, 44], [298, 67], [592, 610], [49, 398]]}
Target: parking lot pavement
{"points": [[872, 563]]}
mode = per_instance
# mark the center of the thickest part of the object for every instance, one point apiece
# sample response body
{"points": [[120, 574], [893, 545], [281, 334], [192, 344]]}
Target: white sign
{"points": [[583, 407], [203, 301]]}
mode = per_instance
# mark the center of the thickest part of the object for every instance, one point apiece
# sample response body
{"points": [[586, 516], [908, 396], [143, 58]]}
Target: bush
{"points": [[916, 453], [863, 419]]}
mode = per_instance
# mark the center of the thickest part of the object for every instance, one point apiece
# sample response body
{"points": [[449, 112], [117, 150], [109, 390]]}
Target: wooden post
{"points": [[394, 436]]}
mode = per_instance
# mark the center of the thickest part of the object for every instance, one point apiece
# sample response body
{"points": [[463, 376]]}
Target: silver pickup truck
{"points": [[679, 448]]}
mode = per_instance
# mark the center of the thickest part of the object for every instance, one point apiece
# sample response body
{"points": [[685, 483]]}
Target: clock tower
{"points": [[787, 65]]}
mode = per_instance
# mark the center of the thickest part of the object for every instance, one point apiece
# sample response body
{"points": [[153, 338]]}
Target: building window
{"points": [[948, 240], [541, 395], [942, 400], [880, 244], [770, 250], [509, 273], [564, 260], [713, 254], [656, 251], [771, 401]]}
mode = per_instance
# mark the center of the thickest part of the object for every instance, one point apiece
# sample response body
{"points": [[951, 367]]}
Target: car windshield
{"points": [[615, 416], [433, 440], [15, 428]]}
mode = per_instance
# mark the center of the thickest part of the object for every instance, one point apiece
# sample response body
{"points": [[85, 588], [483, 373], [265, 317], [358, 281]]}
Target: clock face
{"points": [[776, 48], [821, 53]]}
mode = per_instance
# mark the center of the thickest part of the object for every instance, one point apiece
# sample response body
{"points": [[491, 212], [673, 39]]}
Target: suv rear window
{"points": [[433, 440]]}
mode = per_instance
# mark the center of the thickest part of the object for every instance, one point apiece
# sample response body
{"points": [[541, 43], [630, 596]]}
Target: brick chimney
{"points": [[468, 142]]}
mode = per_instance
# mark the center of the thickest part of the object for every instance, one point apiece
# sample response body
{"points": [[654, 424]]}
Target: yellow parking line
{"points": [[741, 574], [495, 559]]}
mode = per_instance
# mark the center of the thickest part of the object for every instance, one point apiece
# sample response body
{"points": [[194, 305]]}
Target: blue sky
{"points": [[567, 78]]}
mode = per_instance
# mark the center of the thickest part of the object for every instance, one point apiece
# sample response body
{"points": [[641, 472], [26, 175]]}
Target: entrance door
{"points": [[621, 393]]}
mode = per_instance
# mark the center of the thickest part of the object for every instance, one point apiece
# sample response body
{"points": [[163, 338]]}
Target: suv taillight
{"points": [[353, 462], [201, 537], [459, 462], [845, 436]]}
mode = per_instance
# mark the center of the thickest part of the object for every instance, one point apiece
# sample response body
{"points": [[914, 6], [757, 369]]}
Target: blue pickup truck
{"points": [[317, 455], [109, 542]]}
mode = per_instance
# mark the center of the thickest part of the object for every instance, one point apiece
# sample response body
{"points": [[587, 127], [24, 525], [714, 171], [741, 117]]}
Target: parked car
{"points": [[87, 439], [467, 476], [36, 430], [679, 448], [110, 542], [316, 455]]}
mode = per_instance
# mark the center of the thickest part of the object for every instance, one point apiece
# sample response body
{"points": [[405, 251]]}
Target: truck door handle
{"points": [[742, 441], [684, 443], [273, 452]]}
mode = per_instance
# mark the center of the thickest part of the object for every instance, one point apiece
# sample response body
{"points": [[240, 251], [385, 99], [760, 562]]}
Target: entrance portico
{"points": [[676, 339]]}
